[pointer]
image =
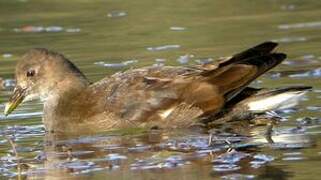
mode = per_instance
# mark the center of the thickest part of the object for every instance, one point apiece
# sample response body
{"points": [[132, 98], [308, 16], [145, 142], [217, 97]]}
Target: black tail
{"points": [[260, 56], [259, 50], [263, 63]]}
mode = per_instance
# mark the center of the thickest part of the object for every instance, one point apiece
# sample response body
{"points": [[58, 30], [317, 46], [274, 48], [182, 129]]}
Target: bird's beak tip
{"points": [[8, 109], [15, 100]]}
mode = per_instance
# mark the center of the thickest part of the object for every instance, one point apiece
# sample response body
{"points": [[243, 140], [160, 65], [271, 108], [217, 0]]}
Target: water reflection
{"points": [[88, 31], [230, 155]]}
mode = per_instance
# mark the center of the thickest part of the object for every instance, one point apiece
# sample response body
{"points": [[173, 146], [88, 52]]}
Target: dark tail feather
{"points": [[259, 50], [263, 63]]}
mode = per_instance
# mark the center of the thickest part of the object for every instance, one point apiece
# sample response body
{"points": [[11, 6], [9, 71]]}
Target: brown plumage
{"points": [[1, 83], [146, 97]]}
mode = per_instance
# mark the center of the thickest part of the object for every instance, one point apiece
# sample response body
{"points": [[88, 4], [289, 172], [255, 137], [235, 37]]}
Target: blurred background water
{"points": [[105, 36]]}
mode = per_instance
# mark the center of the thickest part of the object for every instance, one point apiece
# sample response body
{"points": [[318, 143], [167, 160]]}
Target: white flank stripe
{"points": [[280, 101]]}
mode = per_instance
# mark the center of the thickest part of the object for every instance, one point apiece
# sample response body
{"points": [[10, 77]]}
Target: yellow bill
{"points": [[15, 100]]}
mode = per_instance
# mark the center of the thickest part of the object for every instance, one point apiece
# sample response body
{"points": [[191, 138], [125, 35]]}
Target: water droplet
{"points": [[231, 157], [290, 39], [238, 177], [177, 28], [226, 167], [316, 24], [163, 48], [116, 14], [6, 55], [184, 59]]}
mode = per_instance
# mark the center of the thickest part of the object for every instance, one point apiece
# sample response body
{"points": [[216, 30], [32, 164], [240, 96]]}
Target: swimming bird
{"points": [[166, 97]]}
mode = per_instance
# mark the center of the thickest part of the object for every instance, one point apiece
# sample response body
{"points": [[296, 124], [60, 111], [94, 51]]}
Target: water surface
{"points": [[106, 36]]}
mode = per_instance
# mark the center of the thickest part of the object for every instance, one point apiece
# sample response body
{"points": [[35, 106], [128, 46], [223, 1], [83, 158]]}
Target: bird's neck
{"points": [[62, 100]]}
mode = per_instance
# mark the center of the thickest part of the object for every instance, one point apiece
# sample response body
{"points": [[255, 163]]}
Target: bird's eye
{"points": [[30, 73]]}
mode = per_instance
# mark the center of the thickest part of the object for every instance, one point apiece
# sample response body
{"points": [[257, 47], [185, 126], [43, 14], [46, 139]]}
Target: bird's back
{"points": [[176, 96]]}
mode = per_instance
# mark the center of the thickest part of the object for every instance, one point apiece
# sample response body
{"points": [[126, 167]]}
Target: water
{"points": [[103, 37]]}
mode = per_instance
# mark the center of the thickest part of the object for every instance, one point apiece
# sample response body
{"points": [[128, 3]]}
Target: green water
{"points": [[210, 29]]}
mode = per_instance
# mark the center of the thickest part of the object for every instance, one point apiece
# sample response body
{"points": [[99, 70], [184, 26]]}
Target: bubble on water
{"points": [[308, 57], [65, 154], [113, 147], [293, 158], [290, 39], [49, 29], [6, 55], [177, 28], [89, 170], [260, 159], [174, 159], [300, 75], [41, 156], [77, 165], [158, 65], [54, 29], [286, 111], [263, 157], [238, 177], [316, 72], [8, 83], [313, 108], [317, 90], [292, 153], [226, 167], [204, 61], [114, 65], [22, 149], [117, 65], [116, 14], [115, 157], [311, 73], [160, 60], [158, 163], [316, 24], [163, 48], [188, 143], [9, 158], [3, 141], [288, 7], [23, 130], [139, 148], [184, 59], [99, 63], [128, 62], [290, 145], [21, 115], [7, 173], [275, 75], [73, 30], [230, 157], [308, 121]]}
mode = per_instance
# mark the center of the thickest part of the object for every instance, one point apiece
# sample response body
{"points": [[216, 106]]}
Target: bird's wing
{"points": [[178, 95]]}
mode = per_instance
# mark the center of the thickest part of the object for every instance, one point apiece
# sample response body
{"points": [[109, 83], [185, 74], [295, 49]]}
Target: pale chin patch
{"points": [[36, 96], [31, 97]]}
